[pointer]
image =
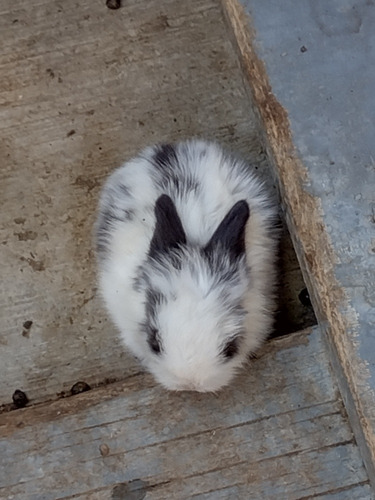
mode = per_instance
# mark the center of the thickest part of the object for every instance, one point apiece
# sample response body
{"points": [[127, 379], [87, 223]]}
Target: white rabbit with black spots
{"points": [[187, 240]]}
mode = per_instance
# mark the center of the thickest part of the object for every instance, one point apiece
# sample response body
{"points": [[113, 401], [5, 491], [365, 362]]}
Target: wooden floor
{"points": [[280, 432], [82, 88]]}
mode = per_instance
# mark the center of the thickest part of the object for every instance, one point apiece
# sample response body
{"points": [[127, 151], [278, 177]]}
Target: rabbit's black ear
{"points": [[230, 235], [168, 233]]}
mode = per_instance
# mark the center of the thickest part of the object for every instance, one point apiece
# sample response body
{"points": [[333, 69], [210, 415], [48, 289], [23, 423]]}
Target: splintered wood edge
{"points": [[314, 250]]}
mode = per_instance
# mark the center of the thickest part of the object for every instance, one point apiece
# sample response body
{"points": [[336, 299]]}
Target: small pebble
{"points": [[26, 328], [113, 4], [20, 399], [104, 450], [79, 387], [303, 49]]}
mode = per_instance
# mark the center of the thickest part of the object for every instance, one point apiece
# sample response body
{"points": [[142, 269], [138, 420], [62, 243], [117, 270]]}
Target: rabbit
{"points": [[186, 241]]}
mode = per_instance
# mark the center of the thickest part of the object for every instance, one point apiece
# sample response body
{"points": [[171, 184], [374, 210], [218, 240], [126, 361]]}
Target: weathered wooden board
{"points": [[140, 491], [279, 432], [82, 88]]}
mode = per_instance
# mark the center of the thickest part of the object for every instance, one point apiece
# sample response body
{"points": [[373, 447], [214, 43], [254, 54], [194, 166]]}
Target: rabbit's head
{"points": [[194, 301]]}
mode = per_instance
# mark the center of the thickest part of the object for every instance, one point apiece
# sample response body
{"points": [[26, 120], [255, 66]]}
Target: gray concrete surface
{"points": [[319, 59], [83, 88]]}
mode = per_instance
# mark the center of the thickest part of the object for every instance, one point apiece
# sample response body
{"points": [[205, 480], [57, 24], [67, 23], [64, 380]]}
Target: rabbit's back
{"points": [[203, 181]]}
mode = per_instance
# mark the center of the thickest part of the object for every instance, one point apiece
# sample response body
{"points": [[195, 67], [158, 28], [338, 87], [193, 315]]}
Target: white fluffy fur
{"points": [[193, 323]]}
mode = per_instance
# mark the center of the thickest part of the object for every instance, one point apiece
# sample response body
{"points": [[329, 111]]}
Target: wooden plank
{"points": [[360, 492], [273, 431], [242, 485], [292, 477]]}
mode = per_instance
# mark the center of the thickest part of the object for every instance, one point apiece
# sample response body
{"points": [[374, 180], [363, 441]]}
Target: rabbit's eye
{"points": [[230, 349], [153, 341]]}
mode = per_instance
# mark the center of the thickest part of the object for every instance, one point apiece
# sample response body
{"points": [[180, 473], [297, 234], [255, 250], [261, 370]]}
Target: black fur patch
{"points": [[101, 245], [165, 158], [125, 190], [229, 275], [106, 219], [174, 177], [166, 162], [139, 280], [153, 300], [153, 340], [169, 233], [230, 349], [230, 235]]}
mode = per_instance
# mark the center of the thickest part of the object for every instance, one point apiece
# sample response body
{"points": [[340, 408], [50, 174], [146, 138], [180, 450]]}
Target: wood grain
{"points": [[275, 433]]}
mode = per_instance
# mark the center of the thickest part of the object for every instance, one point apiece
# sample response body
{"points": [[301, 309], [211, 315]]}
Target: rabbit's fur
{"points": [[186, 242]]}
